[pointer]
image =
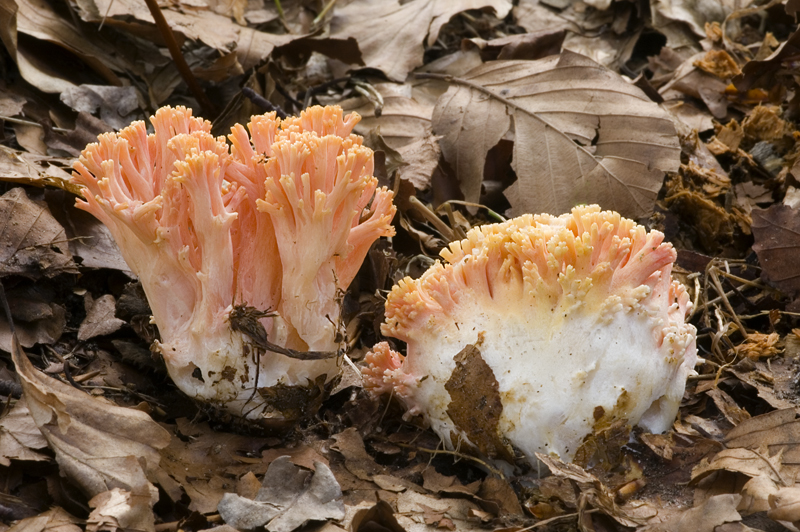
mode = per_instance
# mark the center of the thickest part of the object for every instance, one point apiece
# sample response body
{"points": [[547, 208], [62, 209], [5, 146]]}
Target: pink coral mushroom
{"points": [[281, 221], [575, 317]]}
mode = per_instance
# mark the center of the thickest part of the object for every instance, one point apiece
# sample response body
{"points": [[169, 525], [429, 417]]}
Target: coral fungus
{"points": [[279, 222], [547, 329]]}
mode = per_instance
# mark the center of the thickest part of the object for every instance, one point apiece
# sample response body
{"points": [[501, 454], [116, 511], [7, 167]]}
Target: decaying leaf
{"points": [[289, 497], [475, 404], [98, 445], [32, 242], [593, 492], [380, 517], [581, 134], [398, 47], [777, 244]]}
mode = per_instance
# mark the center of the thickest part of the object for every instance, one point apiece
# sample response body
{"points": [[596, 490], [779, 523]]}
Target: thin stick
{"points": [[457, 454], [183, 68]]}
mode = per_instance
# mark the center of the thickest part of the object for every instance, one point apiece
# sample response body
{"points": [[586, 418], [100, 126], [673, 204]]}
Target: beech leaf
{"points": [[582, 134], [397, 46]]}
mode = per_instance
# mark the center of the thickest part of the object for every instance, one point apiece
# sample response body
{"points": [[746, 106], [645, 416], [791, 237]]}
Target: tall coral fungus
{"points": [[279, 222], [539, 331]]}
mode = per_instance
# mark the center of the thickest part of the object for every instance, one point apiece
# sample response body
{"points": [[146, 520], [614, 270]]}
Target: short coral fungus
{"points": [[538, 332], [242, 252]]}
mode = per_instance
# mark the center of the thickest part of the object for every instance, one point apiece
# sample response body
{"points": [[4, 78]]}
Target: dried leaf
{"points": [[20, 438], [121, 510], [785, 505], [690, 80], [438, 483], [752, 463], [38, 20], [398, 47], [714, 512], [529, 46], [99, 446], [422, 159], [38, 320], [582, 134], [356, 458], [29, 169], [379, 517], [290, 497], [32, 242], [761, 73], [100, 319], [404, 118], [53, 520], [777, 431], [727, 405], [116, 105], [202, 461], [217, 31], [777, 244]]}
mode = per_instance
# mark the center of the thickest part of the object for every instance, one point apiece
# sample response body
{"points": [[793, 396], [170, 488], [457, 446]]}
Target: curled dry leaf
{"points": [[26, 168], [99, 446], [752, 463], [785, 505], [397, 47], [582, 134]]}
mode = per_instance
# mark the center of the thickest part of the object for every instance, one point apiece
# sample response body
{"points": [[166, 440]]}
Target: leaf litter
{"points": [[684, 118]]}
